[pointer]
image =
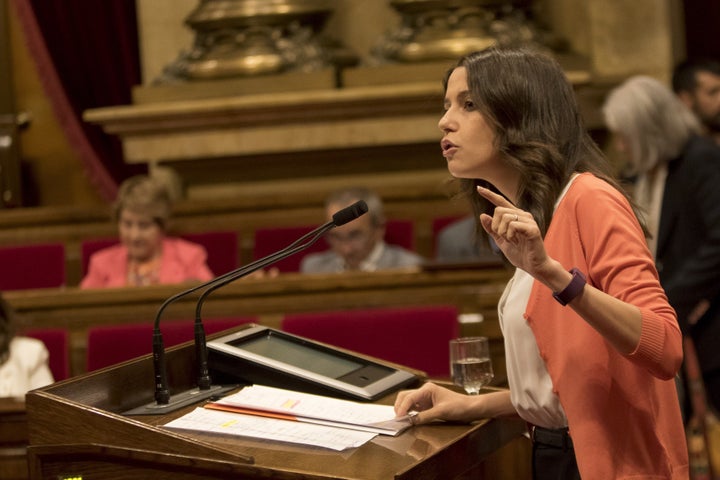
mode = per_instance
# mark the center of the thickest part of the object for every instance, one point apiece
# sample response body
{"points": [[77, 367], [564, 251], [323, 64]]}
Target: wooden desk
{"points": [[473, 291], [76, 429]]}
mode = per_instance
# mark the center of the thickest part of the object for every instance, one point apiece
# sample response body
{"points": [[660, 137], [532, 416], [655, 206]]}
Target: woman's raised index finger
{"points": [[494, 198]]}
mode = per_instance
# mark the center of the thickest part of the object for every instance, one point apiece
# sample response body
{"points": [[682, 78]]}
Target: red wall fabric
{"points": [[87, 56]]}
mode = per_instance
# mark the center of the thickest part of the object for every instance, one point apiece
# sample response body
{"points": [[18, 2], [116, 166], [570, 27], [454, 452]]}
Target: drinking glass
{"points": [[470, 363]]}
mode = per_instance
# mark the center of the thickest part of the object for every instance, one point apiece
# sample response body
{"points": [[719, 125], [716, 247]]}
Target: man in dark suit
{"points": [[678, 186], [688, 252]]}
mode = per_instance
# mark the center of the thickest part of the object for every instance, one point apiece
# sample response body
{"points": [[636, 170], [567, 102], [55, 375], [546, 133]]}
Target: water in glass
{"points": [[470, 363]]}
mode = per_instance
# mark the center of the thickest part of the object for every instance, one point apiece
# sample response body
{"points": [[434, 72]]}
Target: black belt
{"points": [[557, 438]]}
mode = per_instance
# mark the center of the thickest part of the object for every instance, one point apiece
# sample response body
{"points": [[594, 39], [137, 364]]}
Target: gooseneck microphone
{"points": [[341, 217], [164, 402]]}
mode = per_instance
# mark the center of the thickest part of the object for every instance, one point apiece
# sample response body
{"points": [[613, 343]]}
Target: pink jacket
{"points": [[622, 410], [181, 261]]}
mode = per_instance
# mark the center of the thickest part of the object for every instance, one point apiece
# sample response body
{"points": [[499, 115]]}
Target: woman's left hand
{"points": [[515, 232]]}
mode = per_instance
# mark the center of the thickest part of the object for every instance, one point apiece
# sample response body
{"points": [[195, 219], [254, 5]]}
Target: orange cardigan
{"points": [[622, 410], [181, 261]]}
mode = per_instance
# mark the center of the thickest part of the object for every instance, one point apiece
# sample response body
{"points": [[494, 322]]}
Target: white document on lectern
{"points": [[309, 408], [226, 423]]}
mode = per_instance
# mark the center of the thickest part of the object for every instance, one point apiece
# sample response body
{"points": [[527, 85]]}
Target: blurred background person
{"points": [[460, 241], [358, 245], [146, 255], [697, 84], [23, 360], [678, 173]]}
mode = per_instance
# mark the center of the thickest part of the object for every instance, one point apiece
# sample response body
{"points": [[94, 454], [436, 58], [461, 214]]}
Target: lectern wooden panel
{"points": [[13, 439], [76, 429]]}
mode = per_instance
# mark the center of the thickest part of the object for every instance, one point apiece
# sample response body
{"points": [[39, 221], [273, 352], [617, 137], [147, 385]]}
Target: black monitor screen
{"points": [[312, 359]]}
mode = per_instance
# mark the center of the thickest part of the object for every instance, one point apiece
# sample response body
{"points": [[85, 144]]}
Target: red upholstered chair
{"points": [[88, 247], [416, 336], [401, 233], [32, 266], [271, 240], [57, 343], [181, 331], [221, 247], [111, 344]]}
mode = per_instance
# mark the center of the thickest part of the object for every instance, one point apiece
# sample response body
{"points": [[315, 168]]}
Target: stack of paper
{"points": [[284, 415]]}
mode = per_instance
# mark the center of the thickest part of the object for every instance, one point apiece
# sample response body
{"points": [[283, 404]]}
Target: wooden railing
{"points": [[474, 291]]}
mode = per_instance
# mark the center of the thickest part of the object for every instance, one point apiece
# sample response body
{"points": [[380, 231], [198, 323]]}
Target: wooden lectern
{"points": [[13, 439], [76, 431]]}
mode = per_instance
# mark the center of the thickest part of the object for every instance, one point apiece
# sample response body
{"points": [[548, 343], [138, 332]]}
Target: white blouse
{"points": [[531, 389], [25, 369]]}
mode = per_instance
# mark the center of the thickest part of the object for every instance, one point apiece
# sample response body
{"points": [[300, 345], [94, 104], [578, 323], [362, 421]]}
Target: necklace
{"points": [[144, 273]]}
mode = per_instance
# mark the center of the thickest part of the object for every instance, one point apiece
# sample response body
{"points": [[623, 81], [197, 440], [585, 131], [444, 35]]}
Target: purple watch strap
{"points": [[573, 289]]}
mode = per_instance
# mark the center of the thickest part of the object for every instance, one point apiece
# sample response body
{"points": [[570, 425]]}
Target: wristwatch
{"points": [[573, 289]]}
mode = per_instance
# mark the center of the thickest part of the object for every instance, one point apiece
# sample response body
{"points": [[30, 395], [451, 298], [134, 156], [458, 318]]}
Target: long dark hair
{"points": [[540, 132]]}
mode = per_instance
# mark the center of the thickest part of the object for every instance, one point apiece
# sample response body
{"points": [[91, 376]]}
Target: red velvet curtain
{"points": [[87, 56]]}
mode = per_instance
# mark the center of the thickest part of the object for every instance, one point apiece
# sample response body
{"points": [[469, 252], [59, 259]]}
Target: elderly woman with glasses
{"points": [[146, 255]]}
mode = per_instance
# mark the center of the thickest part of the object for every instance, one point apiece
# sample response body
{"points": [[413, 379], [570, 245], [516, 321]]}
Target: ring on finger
{"points": [[412, 416]]}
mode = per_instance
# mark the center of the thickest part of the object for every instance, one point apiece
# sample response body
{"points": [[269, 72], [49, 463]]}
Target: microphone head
{"points": [[348, 214]]}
